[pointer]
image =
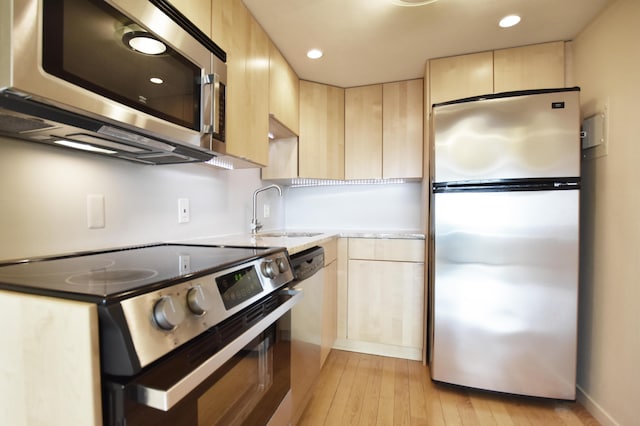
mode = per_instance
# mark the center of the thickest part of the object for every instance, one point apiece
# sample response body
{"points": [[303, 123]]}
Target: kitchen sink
{"points": [[285, 234]]}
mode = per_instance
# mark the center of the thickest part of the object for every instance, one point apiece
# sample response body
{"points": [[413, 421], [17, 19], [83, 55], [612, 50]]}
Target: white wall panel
{"points": [[391, 207], [43, 201]]}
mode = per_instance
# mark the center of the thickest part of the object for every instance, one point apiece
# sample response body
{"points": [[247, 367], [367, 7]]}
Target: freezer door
{"points": [[504, 293], [526, 136]]}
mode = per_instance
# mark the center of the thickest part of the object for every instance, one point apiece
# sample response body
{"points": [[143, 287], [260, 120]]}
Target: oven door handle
{"points": [[165, 399]]}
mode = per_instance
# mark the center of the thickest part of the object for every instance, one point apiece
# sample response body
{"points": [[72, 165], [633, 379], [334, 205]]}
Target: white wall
{"points": [[43, 202], [389, 207], [43, 192], [607, 67]]}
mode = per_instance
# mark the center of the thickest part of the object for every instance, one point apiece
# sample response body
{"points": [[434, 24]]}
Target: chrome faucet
{"points": [[255, 225]]}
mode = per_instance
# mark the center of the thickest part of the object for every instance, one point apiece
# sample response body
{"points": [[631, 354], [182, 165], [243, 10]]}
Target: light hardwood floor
{"points": [[359, 389]]}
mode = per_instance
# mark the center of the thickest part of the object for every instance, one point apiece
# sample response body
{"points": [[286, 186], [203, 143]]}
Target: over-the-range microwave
{"points": [[133, 79]]}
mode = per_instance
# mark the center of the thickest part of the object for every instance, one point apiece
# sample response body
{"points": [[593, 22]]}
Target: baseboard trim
{"points": [[594, 408], [378, 349]]}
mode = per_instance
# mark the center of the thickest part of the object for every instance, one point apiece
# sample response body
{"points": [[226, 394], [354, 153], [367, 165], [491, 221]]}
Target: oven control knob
{"points": [[269, 269], [167, 313], [199, 300], [283, 265]]}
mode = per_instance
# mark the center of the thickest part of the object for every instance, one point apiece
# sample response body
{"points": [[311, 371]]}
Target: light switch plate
{"points": [[183, 210], [95, 211]]}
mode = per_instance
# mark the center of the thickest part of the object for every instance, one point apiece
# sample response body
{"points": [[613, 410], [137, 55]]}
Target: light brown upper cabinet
{"points": [[284, 91], [384, 130], [247, 46], [363, 132], [321, 141], [402, 129], [197, 11], [459, 77], [539, 66]]}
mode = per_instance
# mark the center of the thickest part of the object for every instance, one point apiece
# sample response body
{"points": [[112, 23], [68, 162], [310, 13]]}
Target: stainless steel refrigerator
{"points": [[504, 224]]}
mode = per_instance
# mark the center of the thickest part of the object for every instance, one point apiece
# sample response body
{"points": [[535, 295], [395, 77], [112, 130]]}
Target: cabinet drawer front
{"points": [[386, 249]]}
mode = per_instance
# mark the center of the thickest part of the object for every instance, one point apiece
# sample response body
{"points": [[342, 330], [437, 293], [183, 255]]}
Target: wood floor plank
{"points": [[371, 400], [401, 406], [355, 400], [417, 402], [387, 393], [318, 408], [435, 415], [339, 403], [457, 407], [374, 390], [499, 412], [484, 412]]}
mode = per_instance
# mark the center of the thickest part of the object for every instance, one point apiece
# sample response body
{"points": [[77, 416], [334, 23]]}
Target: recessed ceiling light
{"points": [[314, 54], [509, 21], [156, 80], [412, 2]]}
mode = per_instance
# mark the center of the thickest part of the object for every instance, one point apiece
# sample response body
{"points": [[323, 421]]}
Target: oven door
{"points": [[243, 382]]}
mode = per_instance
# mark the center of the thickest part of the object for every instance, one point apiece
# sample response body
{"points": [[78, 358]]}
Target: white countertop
{"points": [[298, 241]]}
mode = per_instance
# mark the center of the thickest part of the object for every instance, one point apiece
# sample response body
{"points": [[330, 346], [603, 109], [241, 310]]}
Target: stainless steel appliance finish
{"points": [[182, 327], [238, 374], [507, 137], [306, 332], [505, 225], [81, 84]]}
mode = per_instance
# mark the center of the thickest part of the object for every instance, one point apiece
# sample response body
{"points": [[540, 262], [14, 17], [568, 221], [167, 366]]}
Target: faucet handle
{"points": [[255, 226]]}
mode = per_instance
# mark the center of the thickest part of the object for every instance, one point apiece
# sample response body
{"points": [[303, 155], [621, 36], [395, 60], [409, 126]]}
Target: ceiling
{"points": [[375, 41]]}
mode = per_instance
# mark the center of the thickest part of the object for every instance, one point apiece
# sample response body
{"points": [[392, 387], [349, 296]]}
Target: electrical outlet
{"points": [[266, 211], [183, 210], [184, 266]]}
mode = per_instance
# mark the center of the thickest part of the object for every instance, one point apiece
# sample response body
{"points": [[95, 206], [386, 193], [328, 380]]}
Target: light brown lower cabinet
{"points": [[49, 361], [330, 298], [381, 307]]}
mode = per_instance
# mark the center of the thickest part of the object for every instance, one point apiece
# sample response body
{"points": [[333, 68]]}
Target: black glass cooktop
{"points": [[122, 272]]}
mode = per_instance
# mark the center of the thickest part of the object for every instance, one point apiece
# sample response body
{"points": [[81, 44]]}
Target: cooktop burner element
{"points": [[116, 276]]}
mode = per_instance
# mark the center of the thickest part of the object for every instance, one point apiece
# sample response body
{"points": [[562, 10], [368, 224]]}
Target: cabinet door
{"points": [[283, 160], [329, 310], [197, 11], [222, 12], [363, 132], [49, 361], [255, 146], [539, 66], [284, 91], [321, 142], [247, 48], [330, 302], [402, 129], [459, 77], [386, 302]]}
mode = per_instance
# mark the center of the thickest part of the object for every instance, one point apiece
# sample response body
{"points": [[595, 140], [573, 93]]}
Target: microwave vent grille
{"points": [[13, 124]]}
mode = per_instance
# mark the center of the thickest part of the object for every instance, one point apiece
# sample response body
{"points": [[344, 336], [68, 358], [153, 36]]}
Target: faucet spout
{"points": [[255, 224]]}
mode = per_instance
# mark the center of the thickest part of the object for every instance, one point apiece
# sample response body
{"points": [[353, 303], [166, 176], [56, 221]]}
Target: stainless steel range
{"points": [[189, 334]]}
